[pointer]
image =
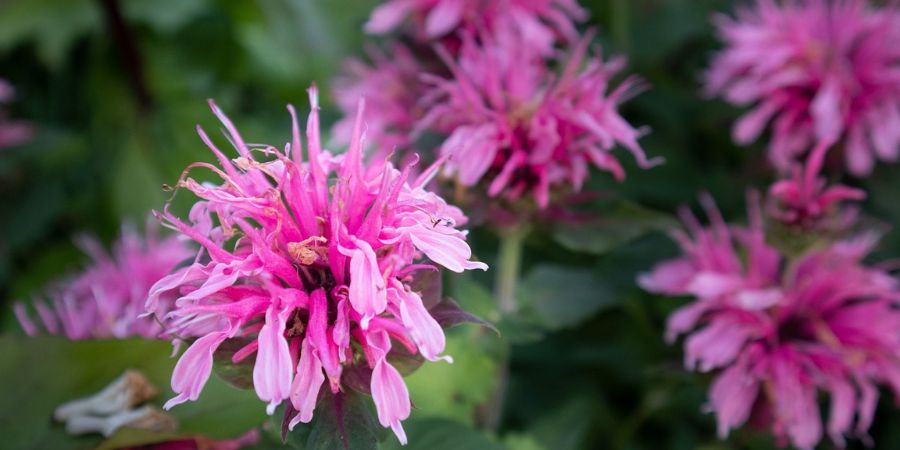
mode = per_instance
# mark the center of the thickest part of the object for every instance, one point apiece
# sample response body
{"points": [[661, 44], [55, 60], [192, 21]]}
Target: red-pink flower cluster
{"points": [[12, 132], [106, 300], [821, 71], [517, 118], [521, 129], [780, 330], [311, 259], [540, 23]]}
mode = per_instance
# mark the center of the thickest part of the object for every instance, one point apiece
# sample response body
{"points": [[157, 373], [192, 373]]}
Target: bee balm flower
{"points": [[106, 300], [540, 22], [312, 260], [778, 331], [821, 71], [520, 129]]}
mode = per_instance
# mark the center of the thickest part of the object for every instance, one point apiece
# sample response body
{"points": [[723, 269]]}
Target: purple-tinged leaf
{"points": [[239, 375], [429, 285], [449, 314]]}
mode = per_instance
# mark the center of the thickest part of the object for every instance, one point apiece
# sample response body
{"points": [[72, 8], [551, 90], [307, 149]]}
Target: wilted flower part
{"points": [[541, 23], [780, 332], [821, 71], [805, 200], [520, 129], [392, 88], [11, 132], [106, 299], [312, 259]]}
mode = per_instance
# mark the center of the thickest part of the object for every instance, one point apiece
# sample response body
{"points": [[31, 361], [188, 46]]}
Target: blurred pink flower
{"points": [[779, 331], [805, 200], [312, 260], [106, 299], [12, 132], [822, 71], [520, 129], [392, 89], [541, 23]]}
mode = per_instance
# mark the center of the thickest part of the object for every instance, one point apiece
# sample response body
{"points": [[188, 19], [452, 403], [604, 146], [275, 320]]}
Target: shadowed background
{"points": [[115, 88]]}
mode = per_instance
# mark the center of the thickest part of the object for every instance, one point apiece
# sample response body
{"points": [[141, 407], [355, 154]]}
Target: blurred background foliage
{"points": [[115, 89]]}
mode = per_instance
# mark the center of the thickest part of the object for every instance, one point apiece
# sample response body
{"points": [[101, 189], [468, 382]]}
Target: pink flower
{"points": [[106, 299], [518, 129], [821, 71], [12, 132], [313, 259], [780, 331], [805, 201], [540, 22], [392, 90]]}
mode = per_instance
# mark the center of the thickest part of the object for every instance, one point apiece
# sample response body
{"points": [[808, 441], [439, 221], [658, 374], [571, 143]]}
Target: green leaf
{"points": [[566, 427], [405, 362], [165, 16], [136, 186], [45, 372], [239, 375], [441, 434], [521, 328], [474, 297], [449, 314], [53, 25], [520, 441], [454, 390], [429, 285], [130, 437], [561, 296], [624, 223], [343, 421]]}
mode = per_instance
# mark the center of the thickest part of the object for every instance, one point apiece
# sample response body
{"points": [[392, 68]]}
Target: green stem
{"points": [[509, 263]]}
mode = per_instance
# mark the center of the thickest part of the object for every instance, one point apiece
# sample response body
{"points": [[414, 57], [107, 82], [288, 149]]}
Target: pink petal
{"points": [[317, 334], [272, 371], [424, 330], [307, 383], [22, 316], [669, 277], [471, 150], [193, 368], [388, 15], [732, 395], [827, 112], [367, 289], [445, 249], [444, 17], [340, 334], [843, 407], [388, 389]]}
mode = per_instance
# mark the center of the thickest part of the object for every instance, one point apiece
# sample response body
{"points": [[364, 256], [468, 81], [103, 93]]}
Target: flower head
{"points": [[106, 299], [312, 260], [822, 71], [780, 331], [805, 200], [11, 132], [540, 22], [519, 129]]}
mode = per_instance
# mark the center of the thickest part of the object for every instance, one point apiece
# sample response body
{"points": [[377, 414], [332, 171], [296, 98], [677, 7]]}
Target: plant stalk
{"points": [[509, 263]]}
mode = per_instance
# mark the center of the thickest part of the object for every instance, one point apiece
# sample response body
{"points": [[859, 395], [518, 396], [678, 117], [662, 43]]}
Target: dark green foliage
{"points": [[588, 365]]}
